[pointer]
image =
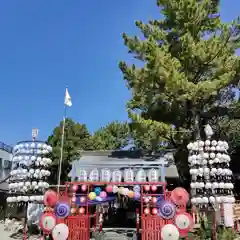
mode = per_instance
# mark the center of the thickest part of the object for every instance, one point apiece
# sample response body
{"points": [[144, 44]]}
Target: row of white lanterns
{"points": [[214, 185], [212, 171], [26, 186], [33, 145], [38, 198], [31, 158], [212, 199], [208, 145]]}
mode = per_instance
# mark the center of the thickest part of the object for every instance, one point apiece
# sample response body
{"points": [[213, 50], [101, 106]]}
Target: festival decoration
{"points": [[167, 209], [60, 232], [92, 195], [184, 223], [97, 190], [84, 188], [62, 210], [47, 222], [50, 198], [154, 188], [137, 195], [131, 194], [75, 188], [209, 169], [109, 189], [179, 196], [105, 175], [169, 232], [147, 188], [81, 210], [103, 194], [154, 211], [146, 211], [27, 180]]}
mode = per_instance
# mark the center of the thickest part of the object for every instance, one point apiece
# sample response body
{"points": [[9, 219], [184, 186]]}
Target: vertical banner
{"points": [[228, 214]]}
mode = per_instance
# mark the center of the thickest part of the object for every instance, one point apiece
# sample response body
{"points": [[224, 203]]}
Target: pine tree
{"points": [[190, 68]]}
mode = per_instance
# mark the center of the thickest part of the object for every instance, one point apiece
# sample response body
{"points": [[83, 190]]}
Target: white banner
{"points": [[228, 214]]}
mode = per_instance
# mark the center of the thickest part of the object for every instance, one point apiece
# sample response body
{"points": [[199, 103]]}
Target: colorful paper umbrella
{"points": [[60, 232], [47, 222], [169, 232], [50, 198], [62, 210], [184, 223], [179, 196], [167, 209]]}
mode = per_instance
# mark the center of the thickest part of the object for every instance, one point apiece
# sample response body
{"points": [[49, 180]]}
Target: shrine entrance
{"points": [[94, 204]]}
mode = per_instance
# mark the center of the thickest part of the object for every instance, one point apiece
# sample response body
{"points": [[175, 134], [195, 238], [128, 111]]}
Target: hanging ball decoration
{"points": [[121, 190], [83, 199], [84, 187], [115, 189], [136, 188], [154, 200], [50, 198], [73, 210], [81, 210], [109, 189], [146, 211], [97, 190], [47, 222], [60, 232], [147, 188], [154, 188], [146, 200], [137, 195], [75, 188], [92, 195], [130, 194], [169, 232], [99, 199], [154, 211], [103, 194], [62, 209], [167, 209], [73, 199]]}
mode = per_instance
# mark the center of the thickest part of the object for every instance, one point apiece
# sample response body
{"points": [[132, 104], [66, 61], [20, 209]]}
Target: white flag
{"points": [[68, 100]]}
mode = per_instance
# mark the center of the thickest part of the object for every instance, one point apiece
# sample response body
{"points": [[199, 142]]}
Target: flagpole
{"points": [[62, 144]]}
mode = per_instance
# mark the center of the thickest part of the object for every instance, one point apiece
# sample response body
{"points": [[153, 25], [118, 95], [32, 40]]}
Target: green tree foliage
{"points": [[114, 135], [189, 69], [76, 138]]}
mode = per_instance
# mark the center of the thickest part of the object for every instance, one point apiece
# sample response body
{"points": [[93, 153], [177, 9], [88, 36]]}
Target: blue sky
{"points": [[46, 45]]}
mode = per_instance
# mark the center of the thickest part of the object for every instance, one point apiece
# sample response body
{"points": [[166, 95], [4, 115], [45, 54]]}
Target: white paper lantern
{"points": [[117, 176], [94, 175], [141, 176], [105, 175]]}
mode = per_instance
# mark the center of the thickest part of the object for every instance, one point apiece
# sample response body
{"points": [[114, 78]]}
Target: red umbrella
{"points": [[47, 222], [184, 223], [179, 196], [50, 198]]}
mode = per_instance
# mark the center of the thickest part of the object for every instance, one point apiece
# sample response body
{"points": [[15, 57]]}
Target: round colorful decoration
{"points": [[60, 232], [97, 190], [62, 210], [184, 223], [169, 232], [50, 198], [167, 210], [47, 222], [179, 196]]}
